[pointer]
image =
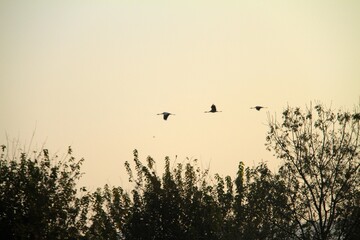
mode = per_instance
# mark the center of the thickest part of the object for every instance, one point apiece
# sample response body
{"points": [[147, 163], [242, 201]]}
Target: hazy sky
{"points": [[94, 74]]}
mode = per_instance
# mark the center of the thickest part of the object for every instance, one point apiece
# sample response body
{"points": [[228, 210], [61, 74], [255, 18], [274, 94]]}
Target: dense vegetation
{"points": [[314, 195]]}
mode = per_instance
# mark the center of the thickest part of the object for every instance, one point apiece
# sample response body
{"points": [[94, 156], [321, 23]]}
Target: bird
{"points": [[257, 107], [165, 115], [213, 109]]}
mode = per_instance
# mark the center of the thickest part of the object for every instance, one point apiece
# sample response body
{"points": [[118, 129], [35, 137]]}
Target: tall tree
{"points": [[265, 210], [39, 198], [320, 153], [178, 205], [109, 209]]}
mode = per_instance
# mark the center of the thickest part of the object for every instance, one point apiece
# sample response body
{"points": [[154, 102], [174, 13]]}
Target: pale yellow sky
{"points": [[94, 76]]}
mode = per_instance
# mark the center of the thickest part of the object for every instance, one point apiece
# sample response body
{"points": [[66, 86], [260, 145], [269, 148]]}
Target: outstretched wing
{"points": [[258, 107]]}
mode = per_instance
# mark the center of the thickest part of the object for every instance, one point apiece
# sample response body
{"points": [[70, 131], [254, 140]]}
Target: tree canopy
{"points": [[315, 194], [320, 150], [39, 198]]}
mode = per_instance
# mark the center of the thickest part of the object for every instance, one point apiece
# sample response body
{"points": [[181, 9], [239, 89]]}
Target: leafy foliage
{"points": [[110, 210], [320, 150], [38, 198], [178, 205], [315, 194]]}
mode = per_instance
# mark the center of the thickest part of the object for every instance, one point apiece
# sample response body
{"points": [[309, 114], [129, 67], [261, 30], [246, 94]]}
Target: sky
{"points": [[95, 74]]}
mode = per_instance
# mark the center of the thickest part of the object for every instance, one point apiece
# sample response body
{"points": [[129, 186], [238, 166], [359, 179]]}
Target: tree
{"points": [[178, 205], [314, 195], [320, 153], [38, 196], [109, 208]]}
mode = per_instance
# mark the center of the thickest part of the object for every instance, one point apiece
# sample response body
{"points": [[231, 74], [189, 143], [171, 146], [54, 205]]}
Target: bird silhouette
{"points": [[165, 115], [213, 109], [258, 107]]}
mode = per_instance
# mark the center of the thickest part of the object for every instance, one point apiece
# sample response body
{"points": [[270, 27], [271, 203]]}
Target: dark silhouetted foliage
{"points": [[315, 194], [38, 198], [320, 170]]}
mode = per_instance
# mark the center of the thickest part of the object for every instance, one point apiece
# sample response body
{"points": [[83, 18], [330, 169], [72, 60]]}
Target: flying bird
{"points": [[213, 109], [258, 107], [166, 115]]}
